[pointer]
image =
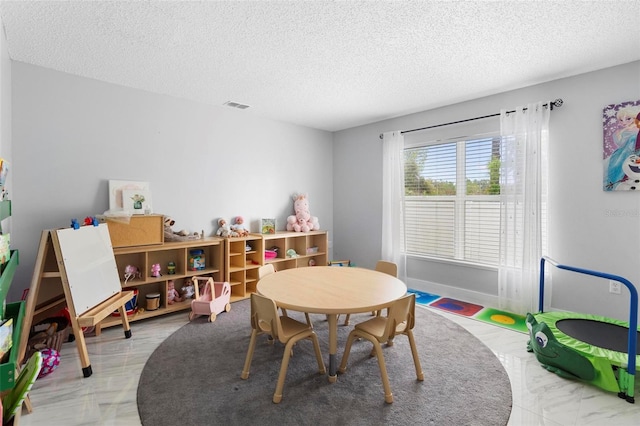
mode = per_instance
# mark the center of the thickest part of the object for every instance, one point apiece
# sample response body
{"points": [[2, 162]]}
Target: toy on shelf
{"points": [[188, 291], [291, 253], [172, 293], [131, 272], [171, 268], [224, 229], [215, 298], [182, 235], [155, 270], [238, 227], [302, 221]]}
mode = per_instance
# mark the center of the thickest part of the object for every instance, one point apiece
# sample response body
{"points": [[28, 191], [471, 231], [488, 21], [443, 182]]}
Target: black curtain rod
{"points": [[557, 103]]}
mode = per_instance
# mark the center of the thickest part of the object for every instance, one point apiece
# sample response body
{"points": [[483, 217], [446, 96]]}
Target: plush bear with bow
{"points": [[302, 221]]}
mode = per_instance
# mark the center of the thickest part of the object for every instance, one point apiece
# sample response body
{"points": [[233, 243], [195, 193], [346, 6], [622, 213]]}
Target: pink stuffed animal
{"points": [[131, 272], [302, 221], [155, 270]]}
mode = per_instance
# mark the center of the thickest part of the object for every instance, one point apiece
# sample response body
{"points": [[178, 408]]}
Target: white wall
{"points": [[584, 233], [72, 134], [5, 108]]}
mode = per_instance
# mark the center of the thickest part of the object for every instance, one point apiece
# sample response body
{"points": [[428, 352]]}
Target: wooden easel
{"points": [[50, 291]]}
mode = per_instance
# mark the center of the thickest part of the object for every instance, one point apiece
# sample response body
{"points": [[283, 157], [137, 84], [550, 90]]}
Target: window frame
{"points": [[459, 200]]}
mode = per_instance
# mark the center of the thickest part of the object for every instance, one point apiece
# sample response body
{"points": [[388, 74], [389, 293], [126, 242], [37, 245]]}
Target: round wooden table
{"points": [[331, 291]]}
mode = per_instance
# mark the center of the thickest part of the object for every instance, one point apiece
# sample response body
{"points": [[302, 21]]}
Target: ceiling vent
{"points": [[235, 105]]}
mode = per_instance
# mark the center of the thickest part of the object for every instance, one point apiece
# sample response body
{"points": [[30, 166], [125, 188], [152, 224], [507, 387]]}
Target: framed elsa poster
{"points": [[621, 146]]}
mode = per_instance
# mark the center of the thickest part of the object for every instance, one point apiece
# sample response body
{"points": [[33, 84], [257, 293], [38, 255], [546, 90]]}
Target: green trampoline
{"points": [[599, 350]]}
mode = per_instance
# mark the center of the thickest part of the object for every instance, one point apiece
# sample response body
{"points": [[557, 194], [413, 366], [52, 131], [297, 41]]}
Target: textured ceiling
{"points": [[324, 64]]}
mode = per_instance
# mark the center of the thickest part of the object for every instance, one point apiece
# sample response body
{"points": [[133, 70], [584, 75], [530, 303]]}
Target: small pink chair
{"points": [[215, 298]]}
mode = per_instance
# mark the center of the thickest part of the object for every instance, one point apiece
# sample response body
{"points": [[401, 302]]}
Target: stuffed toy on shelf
{"points": [[302, 221], [225, 230], [172, 293], [238, 227], [182, 235]]}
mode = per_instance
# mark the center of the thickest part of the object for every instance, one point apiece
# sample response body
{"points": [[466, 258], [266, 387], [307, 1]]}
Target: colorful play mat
{"points": [[471, 310]]}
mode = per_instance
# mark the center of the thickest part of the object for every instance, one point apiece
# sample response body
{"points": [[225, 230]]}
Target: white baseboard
{"points": [[464, 295]]}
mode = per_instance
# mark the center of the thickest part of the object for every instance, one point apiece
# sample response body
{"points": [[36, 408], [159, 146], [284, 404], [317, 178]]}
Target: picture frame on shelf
{"points": [[268, 226], [137, 201], [117, 186]]}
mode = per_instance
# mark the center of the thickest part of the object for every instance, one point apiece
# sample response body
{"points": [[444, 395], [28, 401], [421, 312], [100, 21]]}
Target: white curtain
{"points": [[393, 201], [523, 194]]}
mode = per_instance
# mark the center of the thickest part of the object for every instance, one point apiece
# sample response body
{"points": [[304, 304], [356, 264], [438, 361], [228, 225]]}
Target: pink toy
{"points": [[155, 270], [172, 293], [214, 299], [302, 221], [131, 272]]}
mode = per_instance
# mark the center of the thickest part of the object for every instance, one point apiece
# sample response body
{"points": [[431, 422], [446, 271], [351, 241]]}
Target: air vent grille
{"points": [[236, 105]]}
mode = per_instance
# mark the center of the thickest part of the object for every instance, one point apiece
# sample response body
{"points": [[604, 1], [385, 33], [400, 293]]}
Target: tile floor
{"points": [[108, 397]]}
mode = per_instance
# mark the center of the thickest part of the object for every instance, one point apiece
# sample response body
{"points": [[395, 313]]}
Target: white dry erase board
{"points": [[90, 265]]}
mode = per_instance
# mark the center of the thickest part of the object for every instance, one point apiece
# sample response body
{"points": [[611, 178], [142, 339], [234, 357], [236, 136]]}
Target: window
{"points": [[452, 200]]}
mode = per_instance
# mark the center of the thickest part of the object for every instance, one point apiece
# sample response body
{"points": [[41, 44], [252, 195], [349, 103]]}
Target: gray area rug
{"points": [[193, 378]]}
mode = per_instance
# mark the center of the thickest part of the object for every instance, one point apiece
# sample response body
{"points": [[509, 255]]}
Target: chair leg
{"points": [[346, 319], [347, 349], [414, 352], [309, 323], [388, 396], [277, 395], [247, 361]]}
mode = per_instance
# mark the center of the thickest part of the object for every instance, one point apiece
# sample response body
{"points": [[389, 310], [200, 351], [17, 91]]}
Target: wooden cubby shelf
{"points": [[235, 260], [178, 252]]}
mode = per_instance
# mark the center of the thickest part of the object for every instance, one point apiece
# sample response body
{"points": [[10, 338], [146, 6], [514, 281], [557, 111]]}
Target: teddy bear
{"points": [[238, 226], [172, 293], [225, 230], [302, 221], [182, 235]]}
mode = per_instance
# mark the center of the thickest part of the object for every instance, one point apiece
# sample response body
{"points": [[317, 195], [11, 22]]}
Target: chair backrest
{"points": [[264, 315], [265, 270], [387, 267], [401, 316]]}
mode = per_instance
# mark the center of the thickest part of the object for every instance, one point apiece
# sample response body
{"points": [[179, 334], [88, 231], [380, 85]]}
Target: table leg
{"points": [[333, 346]]}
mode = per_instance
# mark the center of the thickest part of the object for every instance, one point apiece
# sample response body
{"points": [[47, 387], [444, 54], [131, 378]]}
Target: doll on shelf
{"points": [[225, 230], [172, 293], [238, 227]]}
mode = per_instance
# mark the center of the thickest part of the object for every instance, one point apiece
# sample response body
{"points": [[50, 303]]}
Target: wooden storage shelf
{"points": [[242, 265], [242, 261], [178, 252], [302, 243]]}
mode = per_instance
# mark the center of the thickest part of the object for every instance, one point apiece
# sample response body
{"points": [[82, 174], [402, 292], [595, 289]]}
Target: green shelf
{"points": [[8, 271], [8, 369], [5, 209]]}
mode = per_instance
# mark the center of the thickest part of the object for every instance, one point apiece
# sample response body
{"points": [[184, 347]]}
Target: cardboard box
{"points": [[142, 230]]}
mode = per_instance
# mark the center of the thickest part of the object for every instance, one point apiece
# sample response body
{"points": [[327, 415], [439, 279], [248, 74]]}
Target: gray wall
{"points": [[72, 134], [583, 231]]}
